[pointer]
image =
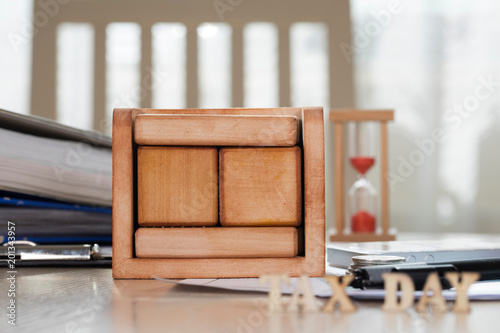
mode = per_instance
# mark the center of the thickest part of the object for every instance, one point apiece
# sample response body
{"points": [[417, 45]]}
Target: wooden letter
{"points": [[391, 283], [303, 297], [339, 296], [461, 282], [436, 301], [275, 304]]}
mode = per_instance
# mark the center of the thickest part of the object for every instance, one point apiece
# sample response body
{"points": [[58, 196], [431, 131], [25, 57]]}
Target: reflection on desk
{"points": [[88, 300]]}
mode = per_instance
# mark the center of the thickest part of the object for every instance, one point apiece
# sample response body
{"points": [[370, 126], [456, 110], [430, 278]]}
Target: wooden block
{"points": [[216, 130], [126, 266], [216, 242], [314, 186], [297, 112], [177, 186], [123, 184], [260, 186]]}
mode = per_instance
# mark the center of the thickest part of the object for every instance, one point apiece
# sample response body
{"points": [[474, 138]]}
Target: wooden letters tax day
{"points": [[303, 298]]}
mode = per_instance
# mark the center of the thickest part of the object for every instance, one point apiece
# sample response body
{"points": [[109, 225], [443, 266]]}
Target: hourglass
{"points": [[362, 198]]}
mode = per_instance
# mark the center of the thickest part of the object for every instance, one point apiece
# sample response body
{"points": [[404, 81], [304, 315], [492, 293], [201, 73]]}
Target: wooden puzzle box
{"points": [[218, 193]]}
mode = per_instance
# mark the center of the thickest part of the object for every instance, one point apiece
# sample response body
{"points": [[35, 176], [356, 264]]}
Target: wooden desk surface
{"points": [[88, 300]]}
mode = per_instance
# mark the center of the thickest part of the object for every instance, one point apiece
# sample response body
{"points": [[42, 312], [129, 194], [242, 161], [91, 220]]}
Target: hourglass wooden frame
{"points": [[340, 117]]}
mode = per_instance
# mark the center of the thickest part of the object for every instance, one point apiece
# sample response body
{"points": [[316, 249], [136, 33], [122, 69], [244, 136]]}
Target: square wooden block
{"points": [[177, 186], [260, 186]]}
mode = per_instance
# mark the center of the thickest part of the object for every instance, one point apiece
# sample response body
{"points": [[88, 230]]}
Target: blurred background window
{"points": [[437, 63], [214, 65], [169, 63], [75, 79], [123, 56], [261, 65]]}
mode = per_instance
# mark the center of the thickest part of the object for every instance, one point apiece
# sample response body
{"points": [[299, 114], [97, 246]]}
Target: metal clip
{"points": [[25, 250]]}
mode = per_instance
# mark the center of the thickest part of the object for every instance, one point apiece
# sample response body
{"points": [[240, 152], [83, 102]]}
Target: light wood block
{"points": [[123, 185], [297, 112], [260, 186], [216, 130], [216, 242], [177, 186], [127, 266]]}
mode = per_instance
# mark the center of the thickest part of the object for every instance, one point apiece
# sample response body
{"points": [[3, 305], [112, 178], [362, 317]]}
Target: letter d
{"points": [[391, 282]]}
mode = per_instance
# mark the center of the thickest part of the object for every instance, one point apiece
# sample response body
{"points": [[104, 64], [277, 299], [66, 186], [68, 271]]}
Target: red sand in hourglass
{"points": [[362, 163], [363, 221]]}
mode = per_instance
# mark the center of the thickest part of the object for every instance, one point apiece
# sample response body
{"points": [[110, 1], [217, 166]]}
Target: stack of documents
{"points": [[54, 168], [55, 181]]}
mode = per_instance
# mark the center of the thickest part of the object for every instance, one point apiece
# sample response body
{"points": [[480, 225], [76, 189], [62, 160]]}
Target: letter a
{"points": [[307, 300], [436, 300]]}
